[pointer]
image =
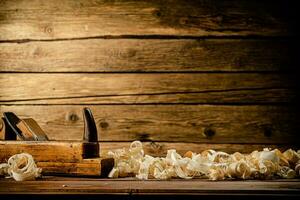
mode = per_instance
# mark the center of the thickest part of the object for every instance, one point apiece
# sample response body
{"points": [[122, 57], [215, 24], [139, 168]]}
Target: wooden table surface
{"points": [[132, 187]]}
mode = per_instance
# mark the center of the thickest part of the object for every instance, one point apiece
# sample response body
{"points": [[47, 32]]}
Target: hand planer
{"points": [[76, 158], [25, 129]]}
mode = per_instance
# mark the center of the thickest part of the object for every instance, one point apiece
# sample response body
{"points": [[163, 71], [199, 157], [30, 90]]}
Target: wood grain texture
{"points": [[86, 167], [161, 148], [21, 20], [233, 53], [43, 150], [135, 88], [132, 187], [59, 157], [137, 55], [263, 124], [3, 134]]}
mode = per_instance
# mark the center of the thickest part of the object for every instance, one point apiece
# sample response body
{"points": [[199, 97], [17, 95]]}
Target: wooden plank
{"points": [[137, 55], [59, 157], [89, 18], [3, 134], [43, 150], [86, 167], [137, 88], [264, 124], [161, 148], [131, 187]]}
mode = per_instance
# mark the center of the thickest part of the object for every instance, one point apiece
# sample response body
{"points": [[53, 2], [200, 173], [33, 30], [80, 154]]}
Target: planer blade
{"points": [[12, 120], [24, 129]]}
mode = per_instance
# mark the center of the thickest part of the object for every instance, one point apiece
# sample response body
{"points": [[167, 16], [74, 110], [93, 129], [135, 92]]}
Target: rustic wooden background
{"points": [[189, 75]]}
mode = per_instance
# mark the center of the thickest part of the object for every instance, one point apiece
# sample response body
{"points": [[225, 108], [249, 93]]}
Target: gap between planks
{"points": [[156, 37]]}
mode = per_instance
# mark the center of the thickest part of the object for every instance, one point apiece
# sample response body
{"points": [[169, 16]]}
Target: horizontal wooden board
{"points": [[170, 123], [137, 88], [161, 148], [59, 157], [43, 150], [86, 167], [135, 189], [137, 55], [90, 18]]}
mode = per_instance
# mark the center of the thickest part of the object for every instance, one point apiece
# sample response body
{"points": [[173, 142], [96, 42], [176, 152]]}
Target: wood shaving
{"points": [[297, 168], [4, 169], [215, 165], [20, 167]]}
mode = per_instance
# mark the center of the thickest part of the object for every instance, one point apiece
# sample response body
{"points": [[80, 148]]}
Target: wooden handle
{"points": [[90, 137], [6, 133], [2, 129], [31, 130], [90, 129]]}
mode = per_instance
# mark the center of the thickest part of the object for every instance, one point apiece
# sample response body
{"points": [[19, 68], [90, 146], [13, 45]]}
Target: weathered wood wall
{"points": [[178, 74]]}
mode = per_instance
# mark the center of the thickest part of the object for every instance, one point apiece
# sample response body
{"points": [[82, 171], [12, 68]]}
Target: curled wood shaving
{"points": [[291, 156], [215, 165], [4, 169], [127, 161], [286, 172], [297, 168], [20, 167]]}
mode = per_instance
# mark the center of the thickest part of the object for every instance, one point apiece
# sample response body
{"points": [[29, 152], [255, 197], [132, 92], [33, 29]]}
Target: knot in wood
{"points": [[48, 29], [209, 132], [103, 125], [144, 137], [183, 20], [268, 131], [157, 13], [73, 117]]}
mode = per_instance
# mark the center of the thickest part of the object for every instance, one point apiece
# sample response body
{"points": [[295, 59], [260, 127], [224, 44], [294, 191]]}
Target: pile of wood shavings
{"points": [[20, 167], [215, 165]]}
